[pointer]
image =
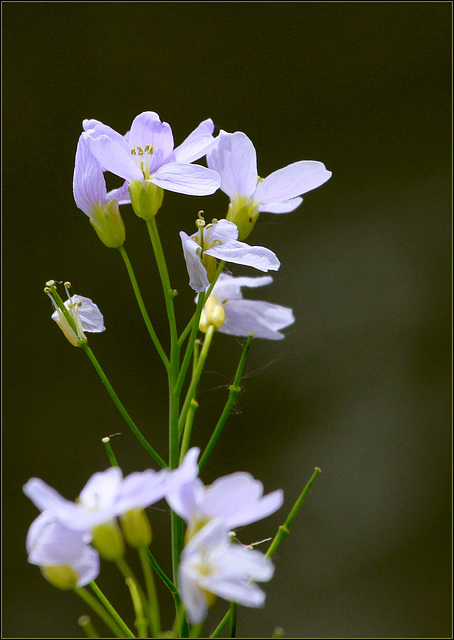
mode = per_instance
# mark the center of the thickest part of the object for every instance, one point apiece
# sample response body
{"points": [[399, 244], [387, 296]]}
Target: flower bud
{"points": [[213, 313], [146, 198], [106, 220], [108, 540], [62, 577], [136, 528]]}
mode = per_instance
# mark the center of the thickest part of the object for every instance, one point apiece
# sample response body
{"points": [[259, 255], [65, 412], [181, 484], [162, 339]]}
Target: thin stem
{"points": [[283, 530], [153, 609], [190, 345], [110, 453], [196, 377], [233, 619], [124, 629], [217, 632], [169, 584], [142, 307], [234, 390], [86, 624], [188, 428], [141, 622], [120, 406]]}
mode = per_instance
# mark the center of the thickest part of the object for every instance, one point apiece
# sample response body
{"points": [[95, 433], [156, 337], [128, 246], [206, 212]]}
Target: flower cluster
{"points": [[68, 539]]}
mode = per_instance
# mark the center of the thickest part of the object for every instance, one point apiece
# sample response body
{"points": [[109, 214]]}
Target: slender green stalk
{"points": [[85, 623], [196, 377], [188, 428], [283, 530], [196, 630], [217, 632], [153, 606], [191, 341], [120, 406], [142, 307], [234, 390], [123, 628], [177, 631], [110, 453], [233, 619], [169, 584], [141, 622]]}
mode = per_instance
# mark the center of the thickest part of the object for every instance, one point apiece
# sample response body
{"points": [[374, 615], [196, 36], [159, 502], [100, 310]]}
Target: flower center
{"points": [[143, 158]]}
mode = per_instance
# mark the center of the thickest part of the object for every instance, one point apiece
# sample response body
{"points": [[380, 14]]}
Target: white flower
{"points": [[236, 499], [219, 240], [234, 158], [230, 313], [63, 554], [78, 314], [107, 494], [212, 565]]}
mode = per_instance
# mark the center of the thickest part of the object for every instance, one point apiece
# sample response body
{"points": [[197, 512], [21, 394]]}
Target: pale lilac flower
{"points": [[107, 494], [227, 310], [61, 553], [219, 240], [234, 158], [236, 499], [146, 154], [84, 315], [90, 194], [211, 565]]}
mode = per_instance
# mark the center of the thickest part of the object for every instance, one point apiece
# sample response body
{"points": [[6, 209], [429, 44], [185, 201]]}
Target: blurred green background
{"points": [[361, 386]]}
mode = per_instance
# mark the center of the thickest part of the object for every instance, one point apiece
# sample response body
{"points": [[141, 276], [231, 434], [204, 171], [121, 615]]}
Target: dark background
{"points": [[360, 386]]}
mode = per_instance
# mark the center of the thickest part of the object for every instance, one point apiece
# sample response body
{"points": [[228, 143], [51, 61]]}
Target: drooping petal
{"points": [[229, 288], [101, 490], [112, 155], [198, 278], [235, 159], [89, 186], [193, 597], [190, 179], [48, 499], [241, 253], [90, 316], [196, 144], [235, 590], [185, 500], [292, 181], [283, 206], [262, 318], [238, 499]]}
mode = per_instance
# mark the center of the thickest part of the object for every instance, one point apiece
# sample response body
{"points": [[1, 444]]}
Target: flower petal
{"points": [[89, 186], [283, 206], [198, 277], [90, 316], [112, 155], [241, 253], [291, 181], [196, 144], [190, 179], [234, 158], [262, 318], [229, 288]]}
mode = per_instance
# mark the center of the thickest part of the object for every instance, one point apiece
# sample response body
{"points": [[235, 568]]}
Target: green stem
{"points": [[110, 453], [233, 619], [169, 584], [191, 341], [123, 628], [88, 628], [217, 632], [188, 428], [234, 390], [142, 307], [283, 530], [141, 622], [153, 610], [196, 377], [120, 406]]}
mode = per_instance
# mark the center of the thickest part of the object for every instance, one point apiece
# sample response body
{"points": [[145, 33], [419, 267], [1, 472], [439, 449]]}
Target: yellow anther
{"points": [[67, 284]]}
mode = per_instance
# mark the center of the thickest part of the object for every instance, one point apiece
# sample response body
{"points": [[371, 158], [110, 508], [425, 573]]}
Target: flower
{"points": [[76, 315], [211, 565], [65, 558], [230, 313], [90, 194], [219, 240], [107, 495], [236, 499], [146, 158], [234, 158]]}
